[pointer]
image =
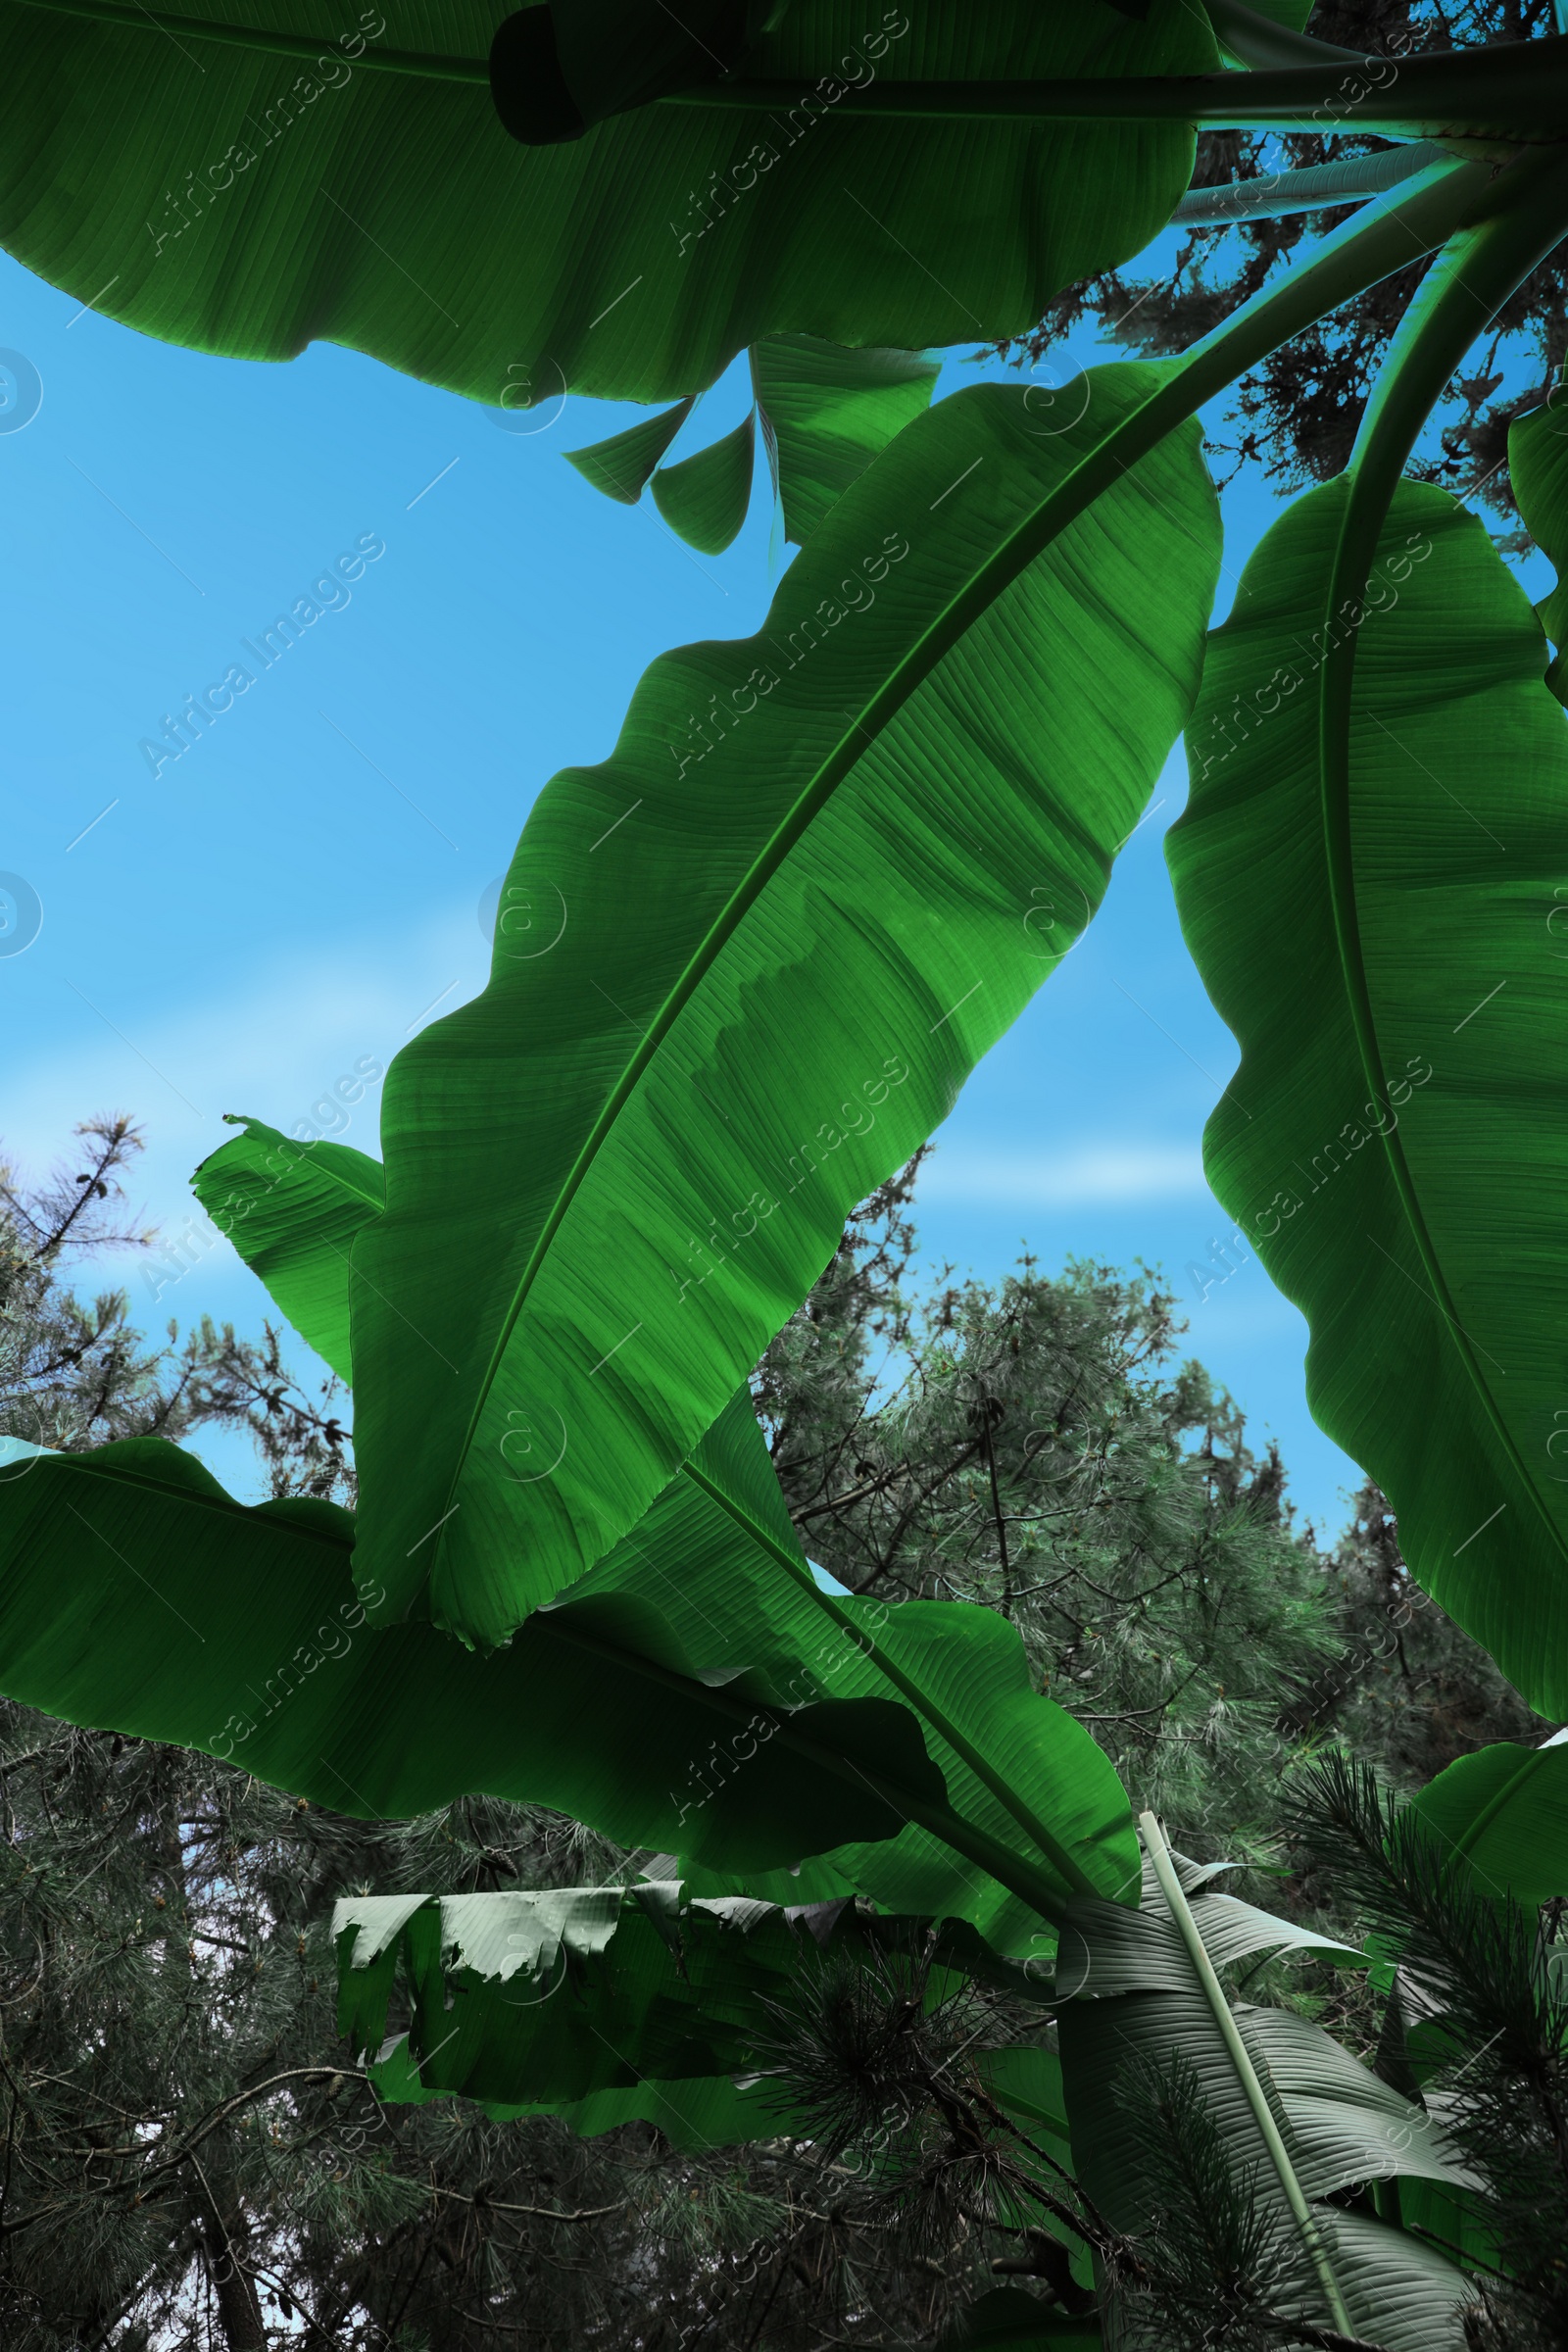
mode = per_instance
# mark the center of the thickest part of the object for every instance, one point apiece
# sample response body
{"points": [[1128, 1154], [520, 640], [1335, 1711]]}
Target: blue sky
{"points": [[285, 905]]}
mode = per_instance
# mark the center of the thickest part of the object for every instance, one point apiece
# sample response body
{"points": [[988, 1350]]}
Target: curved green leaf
{"points": [[826, 413], [770, 946], [292, 1211], [971, 1666], [1501, 1820], [1414, 1213], [689, 1694], [137, 1595], [704, 499], [1136, 2007], [621, 466], [247, 200]]}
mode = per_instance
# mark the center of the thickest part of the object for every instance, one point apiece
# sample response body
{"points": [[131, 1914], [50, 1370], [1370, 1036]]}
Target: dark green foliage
{"points": [[163, 1921], [1478, 2020]]}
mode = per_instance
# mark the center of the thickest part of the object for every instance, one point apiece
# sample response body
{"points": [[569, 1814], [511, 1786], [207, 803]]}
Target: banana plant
{"points": [[642, 2001], [829, 863], [742, 967]]}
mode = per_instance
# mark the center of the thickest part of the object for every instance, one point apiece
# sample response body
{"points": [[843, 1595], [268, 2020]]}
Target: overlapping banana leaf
{"points": [[1410, 1201], [719, 1560], [1138, 2010], [326, 179], [823, 414], [743, 969], [138, 1596]]}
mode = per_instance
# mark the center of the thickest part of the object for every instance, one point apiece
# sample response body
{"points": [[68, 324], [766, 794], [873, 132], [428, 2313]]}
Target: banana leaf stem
{"points": [[1508, 94], [1272, 194], [1474, 277], [1258, 40], [1170, 1887]]}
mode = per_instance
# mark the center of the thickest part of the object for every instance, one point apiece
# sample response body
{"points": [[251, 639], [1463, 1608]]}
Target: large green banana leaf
{"points": [[743, 969], [720, 1559], [1499, 1819], [1136, 2005], [1011, 1758], [248, 199], [540, 2000], [1411, 1202], [138, 1595], [823, 414]]}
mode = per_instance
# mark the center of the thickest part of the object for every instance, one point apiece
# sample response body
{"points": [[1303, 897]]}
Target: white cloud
{"points": [[274, 1046], [1077, 1176]]}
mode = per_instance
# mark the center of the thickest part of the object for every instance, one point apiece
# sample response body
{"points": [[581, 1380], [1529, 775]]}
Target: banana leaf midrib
{"points": [[946, 1824], [943, 1822], [1338, 266], [1058, 1854], [1027, 540], [1462, 1845]]}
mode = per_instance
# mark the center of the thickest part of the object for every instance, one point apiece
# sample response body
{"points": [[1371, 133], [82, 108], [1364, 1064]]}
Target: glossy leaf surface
{"points": [[1413, 1210], [743, 969], [249, 201], [826, 413]]}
